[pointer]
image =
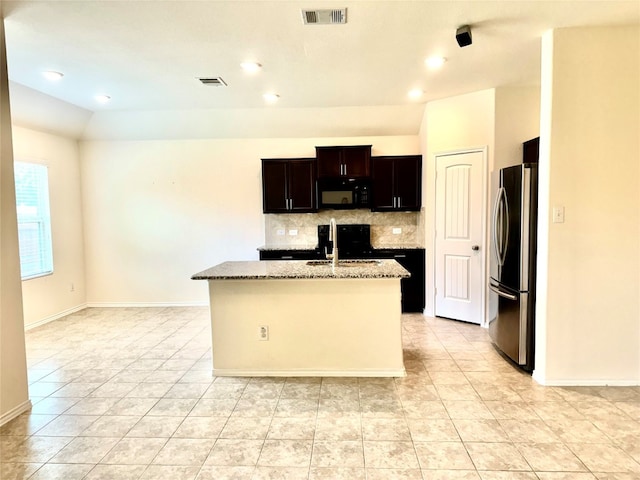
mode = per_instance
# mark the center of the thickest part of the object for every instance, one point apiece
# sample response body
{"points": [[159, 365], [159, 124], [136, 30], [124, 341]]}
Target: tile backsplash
{"points": [[410, 225]]}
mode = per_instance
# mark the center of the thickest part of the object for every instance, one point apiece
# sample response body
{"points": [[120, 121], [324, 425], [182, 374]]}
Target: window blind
{"points": [[34, 222]]}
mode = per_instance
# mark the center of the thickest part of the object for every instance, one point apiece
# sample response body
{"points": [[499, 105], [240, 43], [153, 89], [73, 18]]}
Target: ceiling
{"points": [[333, 80]]}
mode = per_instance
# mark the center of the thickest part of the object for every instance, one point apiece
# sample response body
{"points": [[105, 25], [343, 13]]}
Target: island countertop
{"points": [[375, 246], [292, 269]]}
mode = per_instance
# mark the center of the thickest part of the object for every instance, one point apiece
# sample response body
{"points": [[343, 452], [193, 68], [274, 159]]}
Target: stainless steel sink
{"points": [[345, 263]]}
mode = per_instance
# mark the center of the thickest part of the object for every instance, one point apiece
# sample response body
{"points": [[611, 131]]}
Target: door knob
{"points": [[475, 248]]}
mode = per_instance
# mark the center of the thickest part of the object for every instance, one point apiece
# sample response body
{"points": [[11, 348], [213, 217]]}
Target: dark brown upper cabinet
{"points": [[349, 161], [396, 183], [531, 150], [289, 185]]}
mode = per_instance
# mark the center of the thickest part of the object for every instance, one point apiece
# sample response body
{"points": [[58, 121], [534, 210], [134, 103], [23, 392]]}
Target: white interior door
{"points": [[459, 243]]}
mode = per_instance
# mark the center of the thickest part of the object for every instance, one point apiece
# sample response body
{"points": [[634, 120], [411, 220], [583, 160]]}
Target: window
{"points": [[34, 223]]}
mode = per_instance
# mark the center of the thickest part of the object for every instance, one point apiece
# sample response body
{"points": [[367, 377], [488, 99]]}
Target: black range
{"points": [[354, 241]]}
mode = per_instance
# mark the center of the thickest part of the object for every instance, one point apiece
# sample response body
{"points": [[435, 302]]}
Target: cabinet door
{"points": [[397, 183], [407, 177], [302, 191], [413, 288], [382, 183], [329, 161], [356, 160], [531, 150], [348, 161], [274, 186]]}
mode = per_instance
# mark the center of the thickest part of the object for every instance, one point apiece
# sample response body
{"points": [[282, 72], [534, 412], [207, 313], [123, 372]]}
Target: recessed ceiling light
{"points": [[102, 98], [271, 97], [251, 67], [435, 62], [52, 75], [415, 93]]}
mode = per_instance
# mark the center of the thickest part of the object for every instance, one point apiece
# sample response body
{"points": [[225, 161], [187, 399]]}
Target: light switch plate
{"points": [[293, 232], [396, 231], [558, 214]]}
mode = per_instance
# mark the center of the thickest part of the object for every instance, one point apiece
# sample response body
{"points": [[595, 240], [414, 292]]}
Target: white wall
{"points": [[500, 119], [451, 124], [14, 394], [588, 306], [156, 212], [517, 120], [49, 297]]}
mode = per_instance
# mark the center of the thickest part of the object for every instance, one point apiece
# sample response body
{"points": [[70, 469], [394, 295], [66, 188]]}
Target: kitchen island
{"points": [[300, 318]]}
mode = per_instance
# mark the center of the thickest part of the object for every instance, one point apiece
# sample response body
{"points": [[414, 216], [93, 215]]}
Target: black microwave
{"points": [[344, 193]]}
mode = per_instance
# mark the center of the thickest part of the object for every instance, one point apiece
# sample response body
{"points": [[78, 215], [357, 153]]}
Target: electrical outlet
{"points": [[263, 332], [396, 231], [293, 233], [280, 231]]}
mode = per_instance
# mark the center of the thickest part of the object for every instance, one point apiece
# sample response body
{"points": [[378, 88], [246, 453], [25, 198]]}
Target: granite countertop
{"points": [[395, 246], [266, 248], [280, 269], [398, 246]]}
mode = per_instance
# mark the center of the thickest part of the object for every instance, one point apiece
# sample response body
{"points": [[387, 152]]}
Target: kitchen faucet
{"points": [[333, 238]]}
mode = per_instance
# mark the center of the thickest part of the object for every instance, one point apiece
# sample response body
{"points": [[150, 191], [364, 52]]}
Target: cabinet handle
{"points": [[401, 255], [399, 204], [394, 201], [345, 169], [291, 204], [286, 257]]}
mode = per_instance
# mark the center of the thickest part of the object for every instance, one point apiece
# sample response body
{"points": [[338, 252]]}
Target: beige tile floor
{"points": [[127, 394]]}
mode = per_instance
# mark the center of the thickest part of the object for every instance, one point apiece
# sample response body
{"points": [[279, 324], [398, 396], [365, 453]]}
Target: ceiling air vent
{"points": [[324, 17], [213, 81]]}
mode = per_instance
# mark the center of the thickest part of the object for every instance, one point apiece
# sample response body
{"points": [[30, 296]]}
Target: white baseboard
{"points": [[538, 377], [14, 412], [231, 372], [146, 304], [56, 316], [598, 382]]}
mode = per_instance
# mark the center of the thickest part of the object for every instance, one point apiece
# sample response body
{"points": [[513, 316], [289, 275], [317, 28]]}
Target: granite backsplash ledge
{"points": [[411, 225]]}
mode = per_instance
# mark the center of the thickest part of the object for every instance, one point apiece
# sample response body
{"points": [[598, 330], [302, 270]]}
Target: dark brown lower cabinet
{"points": [[289, 255], [413, 289]]}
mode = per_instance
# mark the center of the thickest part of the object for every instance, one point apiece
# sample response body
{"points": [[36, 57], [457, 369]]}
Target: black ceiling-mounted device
{"points": [[463, 35]]}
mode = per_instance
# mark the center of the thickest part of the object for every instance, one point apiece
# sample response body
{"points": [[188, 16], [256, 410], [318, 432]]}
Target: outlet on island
{"points": [[263, 332]]}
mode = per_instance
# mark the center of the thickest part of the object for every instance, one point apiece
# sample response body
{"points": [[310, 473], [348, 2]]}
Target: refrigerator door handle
{"points": [[505, 225], [501, 226], [502, 293], [496, 246]]}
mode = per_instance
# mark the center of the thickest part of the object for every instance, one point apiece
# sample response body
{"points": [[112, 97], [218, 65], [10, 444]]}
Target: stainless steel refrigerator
{"points": [[512, 282]]}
